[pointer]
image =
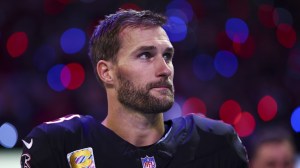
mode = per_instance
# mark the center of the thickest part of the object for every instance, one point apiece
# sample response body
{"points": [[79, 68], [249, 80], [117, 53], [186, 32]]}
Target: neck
{"points": [[137, 128]]}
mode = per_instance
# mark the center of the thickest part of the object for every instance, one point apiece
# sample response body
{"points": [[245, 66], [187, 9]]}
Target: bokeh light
{"points": [[72, 76], [44, 57], [44, 52], [295, 119], [203, 66], [267, 108], [265, 15], [237, 30], [177, 13], [281, 15], [224, 42], [174, 112], [246, 49], [230, 112], [245, 125], [193, 105], [17, 44], [286, 35], [181, 9], [226, 63], [176, 29], [8, 135], [72, 40], [54, 78], [131, 6]]}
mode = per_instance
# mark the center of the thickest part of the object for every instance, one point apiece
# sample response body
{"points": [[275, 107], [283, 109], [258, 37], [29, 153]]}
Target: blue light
{"points": [[8, 135], [180, 8], [176, 29], [176, 13], [226, 63], [72, 40], [54, 78], [44, 57], [203, 66], [295, 120], [237, 30], [174, 112]]}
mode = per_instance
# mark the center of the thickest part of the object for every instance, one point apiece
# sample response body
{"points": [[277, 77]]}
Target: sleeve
{"points": [[37, 152], [229, 149], [238, 157]]}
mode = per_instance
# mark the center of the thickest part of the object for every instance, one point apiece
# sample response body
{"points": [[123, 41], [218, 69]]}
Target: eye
{"points": [[168, 57], [145, 55]]}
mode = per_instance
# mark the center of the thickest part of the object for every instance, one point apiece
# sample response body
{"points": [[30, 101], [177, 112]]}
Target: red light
{"points": [[193, 105], [267, 108], [265, 15], [130, 6], [245, 125], [72, 76], [53, 7], [17, 43], [230, 112], [223, 42], [286, 35], [246, 49]]}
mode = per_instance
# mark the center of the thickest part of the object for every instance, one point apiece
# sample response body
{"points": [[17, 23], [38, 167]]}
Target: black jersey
{"points": [[82, 142]]}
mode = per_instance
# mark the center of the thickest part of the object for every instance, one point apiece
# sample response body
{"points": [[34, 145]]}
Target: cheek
{"points": [[172, 69], [131, 74]]}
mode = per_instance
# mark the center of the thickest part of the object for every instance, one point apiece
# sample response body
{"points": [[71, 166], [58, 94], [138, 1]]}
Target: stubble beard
{"points": [[139, 98]]}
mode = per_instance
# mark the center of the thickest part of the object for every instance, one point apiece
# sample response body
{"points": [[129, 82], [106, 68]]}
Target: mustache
{"points": [[162, 83]]}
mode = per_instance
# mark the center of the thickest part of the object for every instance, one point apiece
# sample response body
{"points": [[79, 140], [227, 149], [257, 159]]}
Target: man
{"points": [[132, 57], [273, 149]]}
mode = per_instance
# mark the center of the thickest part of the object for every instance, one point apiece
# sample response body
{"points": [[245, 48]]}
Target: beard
{"points": [[140, 99]]}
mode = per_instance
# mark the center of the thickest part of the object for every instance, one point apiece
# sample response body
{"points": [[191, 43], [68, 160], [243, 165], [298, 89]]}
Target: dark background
{"points": [[26, 99]]}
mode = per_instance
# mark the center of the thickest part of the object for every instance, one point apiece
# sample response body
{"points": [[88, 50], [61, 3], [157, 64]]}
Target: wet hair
{"points": [[105, 41]]}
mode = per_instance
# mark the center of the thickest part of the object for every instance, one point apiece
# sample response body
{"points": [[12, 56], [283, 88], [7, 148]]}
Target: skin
{"points": [[274, 155], [145, 57]]}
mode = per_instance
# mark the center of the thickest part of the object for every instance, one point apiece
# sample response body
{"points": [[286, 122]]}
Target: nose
{"points": [[163, 68]]}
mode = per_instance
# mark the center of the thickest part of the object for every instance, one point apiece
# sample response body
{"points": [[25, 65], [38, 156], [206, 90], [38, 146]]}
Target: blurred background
{"points": [[235, 60]]}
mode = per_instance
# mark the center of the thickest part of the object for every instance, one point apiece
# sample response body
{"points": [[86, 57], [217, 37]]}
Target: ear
{"points": [[105, 71]]}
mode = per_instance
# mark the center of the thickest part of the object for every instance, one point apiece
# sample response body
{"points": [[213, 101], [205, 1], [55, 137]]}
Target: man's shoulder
{"points": [[68, 124], [211, 136], [204, 125]]}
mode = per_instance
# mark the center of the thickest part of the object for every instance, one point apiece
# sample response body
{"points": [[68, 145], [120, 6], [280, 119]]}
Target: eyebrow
{"points": [[150, 48]]}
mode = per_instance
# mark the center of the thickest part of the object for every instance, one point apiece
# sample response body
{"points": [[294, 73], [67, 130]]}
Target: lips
{"points": [[162, 85]]}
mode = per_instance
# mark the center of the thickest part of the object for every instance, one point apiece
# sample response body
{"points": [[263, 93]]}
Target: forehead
{"points": [[135, 37], [276, 149]]}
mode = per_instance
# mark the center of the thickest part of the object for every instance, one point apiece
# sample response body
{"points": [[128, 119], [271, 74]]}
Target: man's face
{"points": [[144, 70], [274, 155]]}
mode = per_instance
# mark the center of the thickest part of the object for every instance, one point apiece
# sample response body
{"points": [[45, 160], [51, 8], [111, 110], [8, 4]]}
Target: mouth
{"points": [[163, 86]]}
